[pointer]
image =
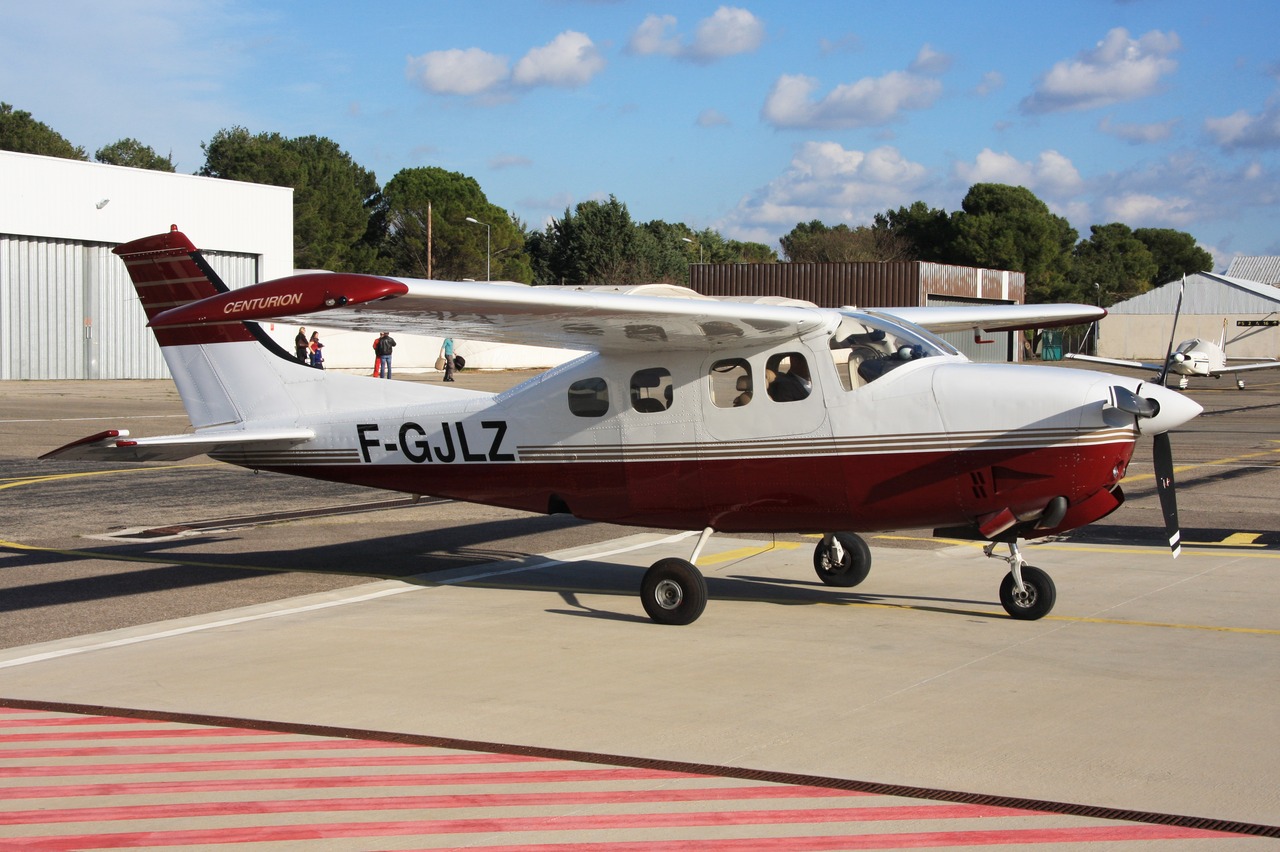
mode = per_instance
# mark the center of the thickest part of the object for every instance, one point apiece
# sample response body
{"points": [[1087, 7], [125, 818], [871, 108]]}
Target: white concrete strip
{"points": [[311, 603]]}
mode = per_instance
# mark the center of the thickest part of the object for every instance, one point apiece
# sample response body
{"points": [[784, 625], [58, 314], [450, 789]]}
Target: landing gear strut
{"points": [[1026, 592]]}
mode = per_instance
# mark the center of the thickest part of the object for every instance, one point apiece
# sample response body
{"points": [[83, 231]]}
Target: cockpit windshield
{"points": [[866, 346]]}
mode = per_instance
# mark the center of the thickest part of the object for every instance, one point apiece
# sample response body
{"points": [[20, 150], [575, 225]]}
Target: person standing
{"points": [[300, 347], [383, 347], [447, 352], [317, 356]]}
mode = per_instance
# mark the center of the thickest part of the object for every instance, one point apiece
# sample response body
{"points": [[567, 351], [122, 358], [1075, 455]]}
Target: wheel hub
{"points": [[668, 594]]}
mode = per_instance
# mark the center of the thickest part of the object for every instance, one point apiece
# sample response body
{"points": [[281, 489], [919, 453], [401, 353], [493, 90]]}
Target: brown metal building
{"points": [[875, 285]]}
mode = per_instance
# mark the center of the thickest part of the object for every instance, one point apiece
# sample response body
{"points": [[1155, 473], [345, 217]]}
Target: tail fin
{"points": [[226, 373]]}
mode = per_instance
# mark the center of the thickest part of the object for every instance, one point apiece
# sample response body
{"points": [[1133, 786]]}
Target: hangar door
{"points": [[1000, 350], [69, 311]]}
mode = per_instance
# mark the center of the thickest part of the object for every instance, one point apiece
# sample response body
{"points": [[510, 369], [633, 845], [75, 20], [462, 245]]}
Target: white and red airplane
{"points": [[685, 413]]}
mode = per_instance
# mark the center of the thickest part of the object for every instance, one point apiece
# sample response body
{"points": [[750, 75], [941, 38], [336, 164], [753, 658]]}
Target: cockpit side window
{"points": [[866, 347], [731, 384]]}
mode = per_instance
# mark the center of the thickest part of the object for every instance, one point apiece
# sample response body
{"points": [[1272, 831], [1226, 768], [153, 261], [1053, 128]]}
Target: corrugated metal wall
{"points": [[69, 311], [874, 285]]}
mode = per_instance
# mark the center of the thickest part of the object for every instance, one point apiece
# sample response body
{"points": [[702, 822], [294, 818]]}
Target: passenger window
{"points": [[731, 385], [651, 390], [787, 377], [589, 398]]}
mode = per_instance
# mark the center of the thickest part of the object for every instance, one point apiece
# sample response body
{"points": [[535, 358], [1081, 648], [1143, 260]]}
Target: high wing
{"points": [[116, 445], [505, 313], [995, 317], [1117, 362]]}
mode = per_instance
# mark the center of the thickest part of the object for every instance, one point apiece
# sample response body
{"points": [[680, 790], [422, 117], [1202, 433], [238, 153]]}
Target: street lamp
{"points": [[692, 243], [487, 253]]}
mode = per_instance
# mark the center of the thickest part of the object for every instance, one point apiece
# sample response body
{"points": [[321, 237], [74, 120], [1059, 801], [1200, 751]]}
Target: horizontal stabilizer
{"points": [[116, 445]]}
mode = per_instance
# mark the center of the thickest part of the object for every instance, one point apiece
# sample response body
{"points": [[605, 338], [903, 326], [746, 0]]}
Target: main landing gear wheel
{"points": [[673, 592], [1036, 598], [842, 559]]}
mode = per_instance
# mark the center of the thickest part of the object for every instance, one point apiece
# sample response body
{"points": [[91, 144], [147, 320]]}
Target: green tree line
{"points": [[429, 221]]}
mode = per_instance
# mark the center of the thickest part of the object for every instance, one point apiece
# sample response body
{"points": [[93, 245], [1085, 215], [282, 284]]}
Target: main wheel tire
{"points": [[851, 570], [673, 592], [1037, 598]]}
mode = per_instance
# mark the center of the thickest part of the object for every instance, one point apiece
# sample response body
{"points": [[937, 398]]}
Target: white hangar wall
{"points": [[1140, 327], [67, 308]]}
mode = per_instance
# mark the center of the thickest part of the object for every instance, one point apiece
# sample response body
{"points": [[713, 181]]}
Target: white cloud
{"points": [[1141, 210], [713, 118], [728, 32], [569, 60], [1051, 172], [991, 81], [652, 37], [1242, 130], [829, 182], [1139, 133], [457, 72], [930, 61], [1119, 68], [509, 161], [867, 102]]}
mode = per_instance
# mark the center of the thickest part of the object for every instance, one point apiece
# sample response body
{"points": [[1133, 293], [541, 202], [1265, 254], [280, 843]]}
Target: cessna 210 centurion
{"points": [[686, 413]]}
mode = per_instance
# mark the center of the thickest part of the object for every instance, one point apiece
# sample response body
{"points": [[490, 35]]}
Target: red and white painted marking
{"points": [[75, 782]]}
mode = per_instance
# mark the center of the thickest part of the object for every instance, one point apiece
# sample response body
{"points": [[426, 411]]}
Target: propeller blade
{"points": [[1162, 453], [1173, 333]]}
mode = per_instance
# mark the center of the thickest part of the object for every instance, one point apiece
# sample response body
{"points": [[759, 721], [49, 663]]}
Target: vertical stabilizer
{"points": [[226, 373]]}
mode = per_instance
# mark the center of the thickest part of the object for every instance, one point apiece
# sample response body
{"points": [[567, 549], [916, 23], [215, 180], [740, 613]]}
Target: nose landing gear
{"points": [[1026, 592]]}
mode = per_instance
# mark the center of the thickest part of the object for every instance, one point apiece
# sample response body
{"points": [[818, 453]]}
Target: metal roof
{"points": [[1206, 293], [1262, 268]]}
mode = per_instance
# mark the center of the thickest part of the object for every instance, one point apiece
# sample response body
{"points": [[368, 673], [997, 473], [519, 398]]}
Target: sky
{"points": [[747, 118]]}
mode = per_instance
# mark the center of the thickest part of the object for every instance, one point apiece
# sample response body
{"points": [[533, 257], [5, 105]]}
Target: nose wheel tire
{"points": [[847, 565], [1036, 599], [673, 592]]}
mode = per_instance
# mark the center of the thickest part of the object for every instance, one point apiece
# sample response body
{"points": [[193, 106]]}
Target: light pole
{"points": [[692, 243], [487, 253]]}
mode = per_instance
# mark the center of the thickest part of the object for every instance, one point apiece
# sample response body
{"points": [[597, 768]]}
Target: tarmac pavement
{"points": [[1151, 688]]}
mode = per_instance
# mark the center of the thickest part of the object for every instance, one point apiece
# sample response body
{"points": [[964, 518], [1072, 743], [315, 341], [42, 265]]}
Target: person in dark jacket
{"points": [[383, 347]]}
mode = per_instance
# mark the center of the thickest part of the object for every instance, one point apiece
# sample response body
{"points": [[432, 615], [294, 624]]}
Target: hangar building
{"points": [[67, 308], [1249, 311]]}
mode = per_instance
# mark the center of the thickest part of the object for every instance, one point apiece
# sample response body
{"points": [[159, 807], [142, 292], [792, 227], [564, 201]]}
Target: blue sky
{"points": [[746, 117]]}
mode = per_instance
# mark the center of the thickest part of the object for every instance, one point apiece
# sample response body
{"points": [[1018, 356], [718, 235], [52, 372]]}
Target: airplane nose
{"points": [[1174, 409]]}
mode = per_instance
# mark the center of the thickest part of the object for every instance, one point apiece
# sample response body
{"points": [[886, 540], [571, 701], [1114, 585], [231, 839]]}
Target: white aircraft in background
{"points": [[687, 413], [1195, 357]]}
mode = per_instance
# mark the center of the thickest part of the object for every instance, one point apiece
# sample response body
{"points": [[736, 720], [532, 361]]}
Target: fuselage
{"points": [[872, 425]]}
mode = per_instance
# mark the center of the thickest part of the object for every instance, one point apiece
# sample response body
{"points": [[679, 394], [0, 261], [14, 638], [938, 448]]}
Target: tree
{"points": [[1116, 261], [458, 246], [132, 153], [21, 133], [332, 195], [1175, 253], [1008, 227], [928, 233], [815, 242]]}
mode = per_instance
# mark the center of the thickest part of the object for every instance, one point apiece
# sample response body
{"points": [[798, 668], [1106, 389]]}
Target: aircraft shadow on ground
{"points": [[139, 568]]}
